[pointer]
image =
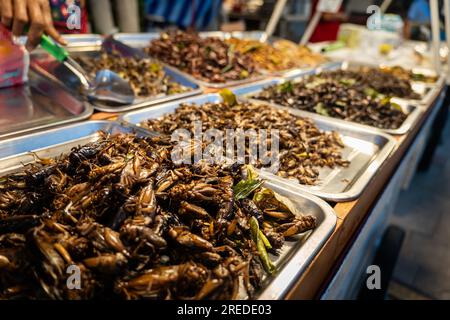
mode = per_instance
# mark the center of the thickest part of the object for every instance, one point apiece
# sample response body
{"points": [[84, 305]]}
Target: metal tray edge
{"points": [[297, 264], [355, 189], [88, 111], [403, 129]]}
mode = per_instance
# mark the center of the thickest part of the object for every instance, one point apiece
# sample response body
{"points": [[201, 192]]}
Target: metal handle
{"points": [[55, 50]]}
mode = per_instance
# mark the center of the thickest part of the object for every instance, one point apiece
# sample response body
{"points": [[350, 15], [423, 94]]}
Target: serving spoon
{"points": [[107, 86]]}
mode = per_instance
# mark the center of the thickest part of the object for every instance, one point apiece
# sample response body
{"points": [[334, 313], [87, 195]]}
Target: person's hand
{"points": [[16, 14]]}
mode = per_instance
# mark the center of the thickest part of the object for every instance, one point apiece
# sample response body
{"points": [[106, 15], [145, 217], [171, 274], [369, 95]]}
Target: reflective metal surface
{"points": [[60, 73], [413, 111], [74, 40], [294, 256], [38, 105], [365, 147], [141, 40]]}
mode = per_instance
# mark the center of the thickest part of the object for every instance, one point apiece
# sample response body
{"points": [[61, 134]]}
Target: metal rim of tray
{"points": [[354, 189], [83, 116], [412, 117], [89, 44], [296, 262], [138, 39]]}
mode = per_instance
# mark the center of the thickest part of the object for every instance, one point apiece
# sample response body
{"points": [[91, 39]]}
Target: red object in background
{"points": [[325, 30], [14, 61]]}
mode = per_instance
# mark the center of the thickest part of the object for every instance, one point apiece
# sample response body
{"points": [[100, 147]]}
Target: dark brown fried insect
{"points": [[361, 96], [209, 59], [146, 76], [303, 148], [134, 225]]}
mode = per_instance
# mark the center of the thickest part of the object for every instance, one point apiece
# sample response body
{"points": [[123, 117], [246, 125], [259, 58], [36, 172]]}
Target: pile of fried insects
{"points": [[137, 226]]}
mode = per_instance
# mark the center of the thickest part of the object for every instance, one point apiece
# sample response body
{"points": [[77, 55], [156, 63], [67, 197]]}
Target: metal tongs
{"points": [[107, 86]]}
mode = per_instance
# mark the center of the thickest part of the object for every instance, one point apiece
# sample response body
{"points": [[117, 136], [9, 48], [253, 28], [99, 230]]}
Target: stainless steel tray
{"points": [[250, 90], [367, 148], [141, 40], [38, 105], [428, 92], [84, 47], [294, 256]]}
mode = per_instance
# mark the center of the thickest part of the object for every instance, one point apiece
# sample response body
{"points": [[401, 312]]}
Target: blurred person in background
{"points": [[127, 12], [183, 14], [51, 17], [418, 21]]}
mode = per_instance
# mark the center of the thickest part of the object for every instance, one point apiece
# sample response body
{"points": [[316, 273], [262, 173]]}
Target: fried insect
{"points": [[280, 56], [343, 95], [209, 59], [303, 148], [147, 77], [131, 224]]}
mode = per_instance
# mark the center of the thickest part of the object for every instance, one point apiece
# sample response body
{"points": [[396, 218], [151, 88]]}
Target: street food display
{"points": [[146, 76], [303, 148], [281, 56], [366, 78], [209, 59], [409, 75], [138, 226], [353, 96]]}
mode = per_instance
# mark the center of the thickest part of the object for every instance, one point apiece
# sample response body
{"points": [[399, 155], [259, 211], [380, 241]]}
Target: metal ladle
{"points": [[107, 86]]}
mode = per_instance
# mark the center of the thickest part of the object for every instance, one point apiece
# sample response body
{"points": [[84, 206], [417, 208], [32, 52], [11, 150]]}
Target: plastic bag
{"points": [[14, 60]]}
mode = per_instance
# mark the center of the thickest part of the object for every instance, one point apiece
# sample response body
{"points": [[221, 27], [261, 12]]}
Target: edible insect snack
{"points": [[381, 82], [282, 55], [409, 75], [339, 97], [131, 224], [208, 59], [303, 148], [146, 76]]}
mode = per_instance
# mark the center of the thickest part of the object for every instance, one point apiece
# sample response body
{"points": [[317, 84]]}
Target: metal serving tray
{"points": [[294, 256], [141, 41], [250, 90], [428, 91], [38, 105], [62, 74], [365, 147]]}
